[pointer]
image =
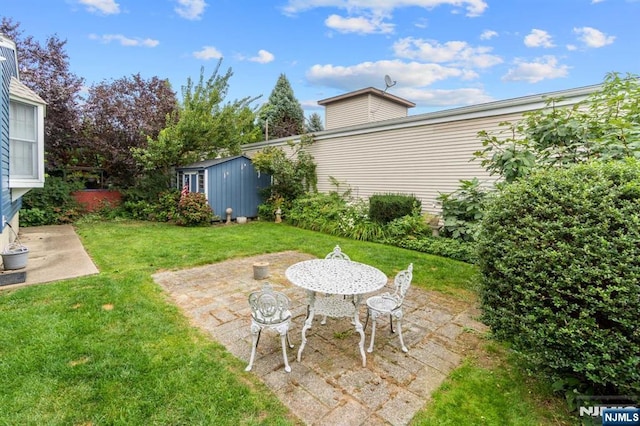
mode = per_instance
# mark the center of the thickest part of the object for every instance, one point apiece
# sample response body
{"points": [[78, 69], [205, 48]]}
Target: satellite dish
{"points": [[388, 82]]}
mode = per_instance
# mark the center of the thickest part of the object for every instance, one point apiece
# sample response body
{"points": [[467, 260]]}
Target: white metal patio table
{"points": [[335, 277]]}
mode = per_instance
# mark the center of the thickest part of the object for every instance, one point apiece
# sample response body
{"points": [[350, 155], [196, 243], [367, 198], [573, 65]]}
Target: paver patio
{"points": [[329, 386]]}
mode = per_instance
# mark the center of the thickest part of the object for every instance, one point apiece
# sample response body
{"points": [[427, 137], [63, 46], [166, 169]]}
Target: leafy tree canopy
{"points": [[44, 68], [604, 126], [120, 115], [282, 115], [203, 127], [292, 175]]}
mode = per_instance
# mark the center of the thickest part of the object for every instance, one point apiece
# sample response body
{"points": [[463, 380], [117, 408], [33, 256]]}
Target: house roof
{"points": [[489, 109], [368, 91], [208, 163], [20, 91]]}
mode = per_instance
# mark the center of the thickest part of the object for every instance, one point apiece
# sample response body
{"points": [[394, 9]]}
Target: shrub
{"points": [[332, 214], [383, 208], [163, 208], [462, 210], [439, 246], [559, 256], [194, 210], [409, 226], [51, 205], [317, 212]]}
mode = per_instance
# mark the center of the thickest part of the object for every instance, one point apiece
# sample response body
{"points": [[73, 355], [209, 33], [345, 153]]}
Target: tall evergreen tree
{"points": [[315, 123], [282, 115]]}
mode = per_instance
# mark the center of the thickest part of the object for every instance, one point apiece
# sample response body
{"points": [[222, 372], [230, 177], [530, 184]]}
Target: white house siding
{"points": [[350, 112], [381, 109], [424, 155], [425, 160], [362, 109]]}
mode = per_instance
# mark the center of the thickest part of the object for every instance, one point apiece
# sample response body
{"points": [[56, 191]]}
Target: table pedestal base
{"points": [[335, 306]]}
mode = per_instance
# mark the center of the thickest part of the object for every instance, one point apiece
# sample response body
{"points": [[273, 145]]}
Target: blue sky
{"points": [[441, 53]]}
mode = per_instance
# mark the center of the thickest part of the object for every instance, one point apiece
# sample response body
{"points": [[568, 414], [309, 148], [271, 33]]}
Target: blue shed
{"points": [[227, 182]]}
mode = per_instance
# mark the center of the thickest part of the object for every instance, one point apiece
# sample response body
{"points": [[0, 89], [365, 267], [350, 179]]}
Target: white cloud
{"points": [[544, 68], [592, 37], [453, 52], [372, 74], [538, 38], [445, 98], [384, 7], [488, 35], [125, 41], [190, 9], [207, 53], [106, 7], [264, 57], [572, 47], [361, 25]]}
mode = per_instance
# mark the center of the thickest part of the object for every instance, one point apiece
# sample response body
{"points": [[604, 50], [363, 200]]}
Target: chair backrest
{"points": [[269, 306], [402, 282], [337, 254]]}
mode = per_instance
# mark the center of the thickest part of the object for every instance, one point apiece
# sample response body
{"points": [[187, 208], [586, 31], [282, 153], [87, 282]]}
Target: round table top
{"points": [[335, 276]]}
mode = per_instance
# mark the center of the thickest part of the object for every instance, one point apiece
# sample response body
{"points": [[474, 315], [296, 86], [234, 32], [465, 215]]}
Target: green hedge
{"points": [[559, 256], [383, 208]]}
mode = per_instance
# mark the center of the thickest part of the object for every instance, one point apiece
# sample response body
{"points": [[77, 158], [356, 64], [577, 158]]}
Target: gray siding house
{"points": [[226, 182], [22, 114], [425, 154]]}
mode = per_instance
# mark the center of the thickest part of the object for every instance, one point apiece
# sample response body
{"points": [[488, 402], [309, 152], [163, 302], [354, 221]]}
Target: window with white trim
{"points": [[25, 144], [23, 131]]}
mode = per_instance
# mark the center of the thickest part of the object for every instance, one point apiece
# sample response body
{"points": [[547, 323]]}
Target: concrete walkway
{"points": [[55, 253], [329, 386]]}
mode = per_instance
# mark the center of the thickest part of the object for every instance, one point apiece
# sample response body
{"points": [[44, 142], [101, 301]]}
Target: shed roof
{"points": [[200, 165], [368, 91]]}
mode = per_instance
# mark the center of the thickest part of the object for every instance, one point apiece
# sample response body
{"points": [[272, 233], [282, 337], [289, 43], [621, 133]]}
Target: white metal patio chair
{"points": [[335, 254], [391, 304], [270, 309]]}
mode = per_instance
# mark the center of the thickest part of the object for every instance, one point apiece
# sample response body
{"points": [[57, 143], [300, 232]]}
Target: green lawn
{"points": [[110, 348]]}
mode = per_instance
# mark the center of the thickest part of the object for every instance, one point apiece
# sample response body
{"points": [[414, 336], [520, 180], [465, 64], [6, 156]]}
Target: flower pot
{"points": [[15, 257]]}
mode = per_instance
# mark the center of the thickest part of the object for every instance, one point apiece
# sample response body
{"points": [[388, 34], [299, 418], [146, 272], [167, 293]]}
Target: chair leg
{"points": [[255, 332], [399, 326], [289, 341], [284, 336]]}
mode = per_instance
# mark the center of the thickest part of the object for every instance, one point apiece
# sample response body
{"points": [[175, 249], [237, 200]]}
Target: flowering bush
{"points": [[194, 210]]}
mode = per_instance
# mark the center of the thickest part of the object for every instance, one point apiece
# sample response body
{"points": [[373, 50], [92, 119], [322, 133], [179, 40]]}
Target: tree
{"points": [[121, 115], [605, 126], [291, 175], [315, 123], [45, 70], [282, 115], [203, 128]]}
